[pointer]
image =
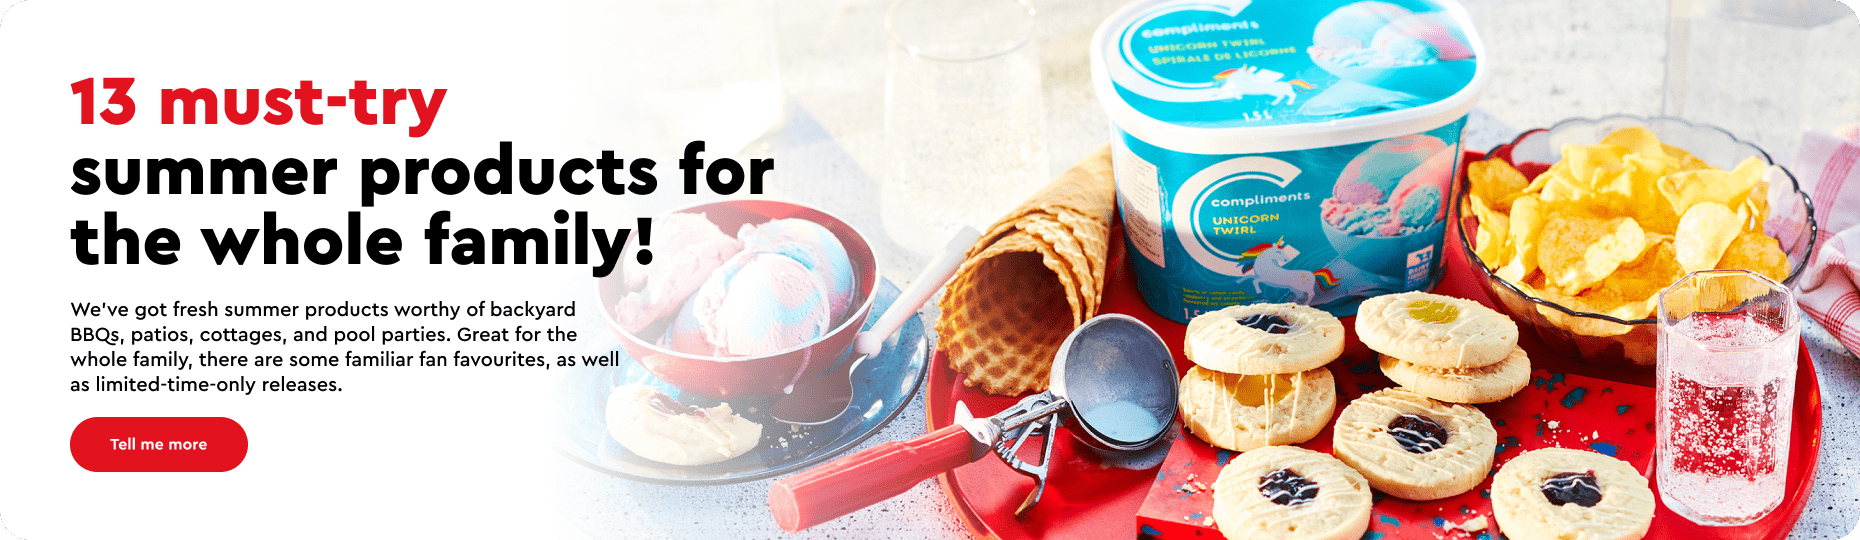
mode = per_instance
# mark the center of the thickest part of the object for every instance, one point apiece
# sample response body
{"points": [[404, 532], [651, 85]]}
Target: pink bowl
{"points": [[737, 377]]}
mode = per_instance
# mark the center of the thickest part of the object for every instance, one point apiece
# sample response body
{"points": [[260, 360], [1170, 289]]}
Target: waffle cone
{"points": [[1033, 277]]}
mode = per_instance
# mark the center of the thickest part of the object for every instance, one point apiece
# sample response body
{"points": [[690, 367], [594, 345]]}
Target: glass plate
{"points": [[881, 388]]}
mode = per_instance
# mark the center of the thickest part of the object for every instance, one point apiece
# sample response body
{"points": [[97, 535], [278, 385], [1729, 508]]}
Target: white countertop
{"points": [[1551, 59]]}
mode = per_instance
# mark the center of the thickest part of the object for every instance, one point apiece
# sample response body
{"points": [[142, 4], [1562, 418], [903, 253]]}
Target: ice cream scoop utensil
{"points": [[822, 399], [1113, 378]]}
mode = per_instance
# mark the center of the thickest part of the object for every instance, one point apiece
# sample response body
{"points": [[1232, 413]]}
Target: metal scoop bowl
{"points": [[1113, 377]]}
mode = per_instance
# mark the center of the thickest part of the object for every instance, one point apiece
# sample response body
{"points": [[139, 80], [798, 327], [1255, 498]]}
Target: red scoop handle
{"points": [[820, 494]]}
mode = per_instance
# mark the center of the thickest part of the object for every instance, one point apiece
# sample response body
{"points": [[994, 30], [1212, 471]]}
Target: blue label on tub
{"points": [[1326, 227], [1274, 63]]}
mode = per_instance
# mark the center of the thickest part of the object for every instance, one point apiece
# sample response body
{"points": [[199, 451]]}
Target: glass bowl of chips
{"points": [[1575, 229]]}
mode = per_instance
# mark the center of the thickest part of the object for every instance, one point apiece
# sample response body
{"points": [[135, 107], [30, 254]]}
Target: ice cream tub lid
{"points": [[1216, 76]]}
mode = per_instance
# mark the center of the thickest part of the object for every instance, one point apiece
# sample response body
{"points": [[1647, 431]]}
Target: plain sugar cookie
{"points": [[1413, 447], [1435, 331], [1290, 493], [1483, 384], [1244, 412], [1556, 493], [1263, 339]]}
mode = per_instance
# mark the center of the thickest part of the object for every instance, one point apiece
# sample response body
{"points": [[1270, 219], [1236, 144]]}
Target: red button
{"points": [[158, 444]]}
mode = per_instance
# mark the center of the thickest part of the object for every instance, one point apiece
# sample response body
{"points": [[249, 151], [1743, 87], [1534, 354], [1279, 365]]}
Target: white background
{"points": [[423, 452], [400, 452]]}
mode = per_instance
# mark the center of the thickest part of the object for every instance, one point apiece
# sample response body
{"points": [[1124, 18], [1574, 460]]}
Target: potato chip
{"points": [[1585, 162], [1527, 223], [1610, 225], [1654, 239], [1645, 203], [1687, 188], [1709, 229], [1637, 140], [1687, 162], [1492, 243], [1579, 251], [1537, 184], [1588, 302], [1758, 203], [1514, 271], [1758, 253], [1497, 182], [1643, 278]]}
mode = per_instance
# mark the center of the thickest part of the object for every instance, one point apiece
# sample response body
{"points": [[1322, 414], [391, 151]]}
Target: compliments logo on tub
{"points": [[1285, 151]]}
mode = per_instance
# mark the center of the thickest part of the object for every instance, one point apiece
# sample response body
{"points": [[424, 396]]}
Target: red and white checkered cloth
{"points": [[1830, 288]]}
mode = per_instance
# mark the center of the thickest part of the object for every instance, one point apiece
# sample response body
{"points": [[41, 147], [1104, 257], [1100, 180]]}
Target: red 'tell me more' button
{"points": [[158, 444]]}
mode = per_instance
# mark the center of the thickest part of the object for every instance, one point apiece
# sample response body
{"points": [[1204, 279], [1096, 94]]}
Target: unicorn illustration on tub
{"points": [[1265, 263], [1248, 80]]}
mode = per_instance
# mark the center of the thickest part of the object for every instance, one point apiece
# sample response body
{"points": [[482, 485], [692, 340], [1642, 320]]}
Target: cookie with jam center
{"points": [[1287, 492], [1435, 331], [1244, 412], [1263, 339], [654, 426], [1565, 493], [1414, 447]]}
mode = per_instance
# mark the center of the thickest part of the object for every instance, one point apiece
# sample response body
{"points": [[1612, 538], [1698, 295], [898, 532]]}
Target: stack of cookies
{"points": [[1259, 377], [1445, 348]]}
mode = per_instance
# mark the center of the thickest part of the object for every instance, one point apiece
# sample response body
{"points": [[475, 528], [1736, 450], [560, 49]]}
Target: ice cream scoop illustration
{"points": [[1354, 26], [1379, 35], [1392, 188], [1249, 80], [1420, 38]]}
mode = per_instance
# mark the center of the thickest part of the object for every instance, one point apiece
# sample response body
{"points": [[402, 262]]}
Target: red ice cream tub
{"points": [[754, 376]]}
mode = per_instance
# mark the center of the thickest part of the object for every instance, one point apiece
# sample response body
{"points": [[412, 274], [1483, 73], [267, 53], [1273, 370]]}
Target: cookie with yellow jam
{"points": [[1244, 412], [1484, 384], [1435, 331]]}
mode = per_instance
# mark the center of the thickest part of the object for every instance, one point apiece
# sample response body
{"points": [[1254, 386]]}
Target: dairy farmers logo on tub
{"points": [[1218, 209]]}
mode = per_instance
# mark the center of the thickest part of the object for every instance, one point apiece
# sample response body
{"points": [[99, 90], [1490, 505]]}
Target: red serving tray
{"points": [[1086, 499]]}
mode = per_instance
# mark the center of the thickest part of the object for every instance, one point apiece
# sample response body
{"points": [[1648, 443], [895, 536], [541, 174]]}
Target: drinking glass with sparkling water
{"points": [[963, 117], [1726, 384]]}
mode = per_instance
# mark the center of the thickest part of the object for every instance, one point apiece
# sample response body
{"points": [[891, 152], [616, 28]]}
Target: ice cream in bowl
{"points": [[741, 298]]}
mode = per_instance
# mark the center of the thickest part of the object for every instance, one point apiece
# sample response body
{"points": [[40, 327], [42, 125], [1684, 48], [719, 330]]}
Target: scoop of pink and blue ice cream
{"points": [[1380, 35], [1385, 164], [1422, 190], [1393, 188], [689, 248], [1354, 26], [757, 303], [791, 283], [1422, 38], [814, 247]]}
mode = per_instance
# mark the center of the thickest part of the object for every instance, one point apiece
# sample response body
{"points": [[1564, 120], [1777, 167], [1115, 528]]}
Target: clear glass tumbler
{"points": [[1726, 385], [963, 117]]}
